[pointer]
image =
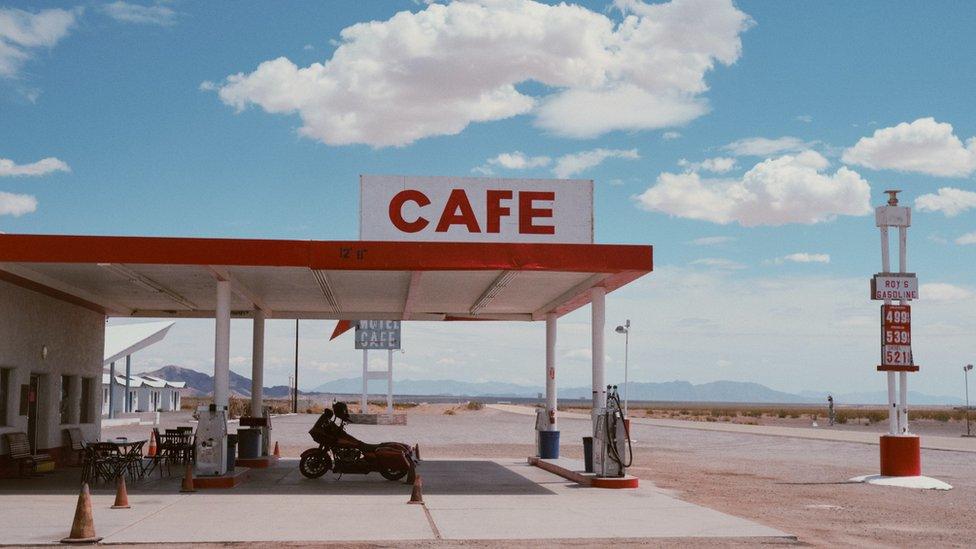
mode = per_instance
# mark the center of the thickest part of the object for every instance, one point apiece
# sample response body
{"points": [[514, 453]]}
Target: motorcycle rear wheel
{"points": [[393, 474], [315, 465]]}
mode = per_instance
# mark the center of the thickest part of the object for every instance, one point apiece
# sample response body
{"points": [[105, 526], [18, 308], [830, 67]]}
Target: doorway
{"points": [[32, 396]]}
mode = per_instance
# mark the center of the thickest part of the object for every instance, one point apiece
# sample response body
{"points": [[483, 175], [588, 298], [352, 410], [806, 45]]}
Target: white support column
{"points": [[362, 399], [903, 376], [551, 404], [222, 345], [598, 322], [389, 382], [257, 364], [892, 388]]}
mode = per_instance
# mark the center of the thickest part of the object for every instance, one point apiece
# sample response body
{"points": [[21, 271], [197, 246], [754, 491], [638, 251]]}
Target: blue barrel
{"points": [[231, 452], [549, 444]]}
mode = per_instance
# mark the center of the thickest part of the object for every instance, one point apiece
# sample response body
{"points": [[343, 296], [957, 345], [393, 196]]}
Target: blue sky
{"points": [[132, 104]]}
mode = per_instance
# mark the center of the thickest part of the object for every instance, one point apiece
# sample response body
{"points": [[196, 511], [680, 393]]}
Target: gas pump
{"points": [[612, 451], [211, 441]]}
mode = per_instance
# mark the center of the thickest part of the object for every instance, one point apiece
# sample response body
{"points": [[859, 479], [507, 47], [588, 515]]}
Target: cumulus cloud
{"points": [[9, 168], [938, 291], [719, 164], [22, 32], [127, 12], [951, 202], [778, 191], [923, 146], [669, 136], [434, 72], [572, 164], [803, 257], [519, 161], [966, 239], [764, 146], [712, 240], [16, 204]]}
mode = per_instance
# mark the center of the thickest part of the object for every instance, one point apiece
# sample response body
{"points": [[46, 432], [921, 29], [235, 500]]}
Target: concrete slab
{"points": [[464, 499]]}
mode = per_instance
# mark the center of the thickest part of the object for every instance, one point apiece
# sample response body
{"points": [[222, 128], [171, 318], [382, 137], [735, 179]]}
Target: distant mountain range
{"points": [[201, 384]]}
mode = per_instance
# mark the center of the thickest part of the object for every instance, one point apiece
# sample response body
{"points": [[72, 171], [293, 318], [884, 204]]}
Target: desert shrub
{"points": [[942, 416], [475, 405], [875, 416], [449, 412], [404, 405], [781, 414], [710, 419]]}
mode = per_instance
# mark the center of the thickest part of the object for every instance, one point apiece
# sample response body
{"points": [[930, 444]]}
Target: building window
{"points": [[4, 394], [65, 395], [87, 390]]}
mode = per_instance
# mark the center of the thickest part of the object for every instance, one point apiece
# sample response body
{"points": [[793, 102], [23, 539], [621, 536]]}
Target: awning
{"points": [[174, 277]]}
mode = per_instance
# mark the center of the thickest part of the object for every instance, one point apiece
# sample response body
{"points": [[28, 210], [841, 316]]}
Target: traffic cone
{"points": [[83, 527], [121, 494], [417, 496], [277, 452], [187, 485], [152, 444]]}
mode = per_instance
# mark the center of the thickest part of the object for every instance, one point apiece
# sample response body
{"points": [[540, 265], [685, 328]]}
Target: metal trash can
{"points": [[231, 451], [249, 443], [588, 454], [549, 444]]}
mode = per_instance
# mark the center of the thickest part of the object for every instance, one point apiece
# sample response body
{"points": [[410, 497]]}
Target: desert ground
{"points": [[796, 485]]}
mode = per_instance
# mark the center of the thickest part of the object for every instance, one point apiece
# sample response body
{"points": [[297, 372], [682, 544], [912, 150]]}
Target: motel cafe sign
{"points": [[468, 209], [378, 334]]}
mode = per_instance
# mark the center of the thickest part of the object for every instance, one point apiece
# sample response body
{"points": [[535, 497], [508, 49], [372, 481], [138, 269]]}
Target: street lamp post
{"points": [[965, 370], [625, 329]]}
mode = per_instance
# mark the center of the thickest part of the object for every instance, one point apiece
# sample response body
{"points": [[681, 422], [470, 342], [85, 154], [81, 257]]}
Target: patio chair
{"points": [[106, 462], [20, 452], [76, 443]]}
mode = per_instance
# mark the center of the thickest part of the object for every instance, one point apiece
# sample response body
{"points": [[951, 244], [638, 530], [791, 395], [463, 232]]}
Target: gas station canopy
{"points": [[174, 277]]}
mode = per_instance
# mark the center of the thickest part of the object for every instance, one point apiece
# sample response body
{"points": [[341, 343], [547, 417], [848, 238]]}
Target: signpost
{"points": [[900, 451], [378, 335]]}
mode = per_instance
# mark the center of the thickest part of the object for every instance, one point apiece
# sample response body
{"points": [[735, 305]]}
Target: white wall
{"points": [[74, 337]]}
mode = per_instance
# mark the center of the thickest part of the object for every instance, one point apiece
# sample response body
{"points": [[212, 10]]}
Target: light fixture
{"points": [[493, 290], [147, 283]]}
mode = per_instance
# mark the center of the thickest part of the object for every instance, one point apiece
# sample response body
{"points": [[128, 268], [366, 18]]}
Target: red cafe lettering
{"points": [[532, 206]]}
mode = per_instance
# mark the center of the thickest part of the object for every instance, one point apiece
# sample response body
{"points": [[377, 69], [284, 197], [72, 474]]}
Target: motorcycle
{"points": [[343, 453]]}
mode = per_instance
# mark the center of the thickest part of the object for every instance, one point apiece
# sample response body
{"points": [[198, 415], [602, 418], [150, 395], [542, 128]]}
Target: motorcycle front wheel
{"points": [[393, 474], [315, 465]]}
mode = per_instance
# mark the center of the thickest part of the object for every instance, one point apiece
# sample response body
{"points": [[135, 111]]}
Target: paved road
{"points": [[955, 444]]}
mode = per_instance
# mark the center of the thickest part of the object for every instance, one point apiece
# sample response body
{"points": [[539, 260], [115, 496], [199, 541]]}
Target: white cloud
{"points": [[519, 161], [669, 136], [16, 204], [805, 118], [571, 164], [719, 263], [763, 146], [803, 257], [126, 12], [719, 164], [938, 291], [788, 189], [924, 146], [308, 47], [966, 239], [21, 32], [712, 240], [947, 200], [9, 168], [434, 72]]}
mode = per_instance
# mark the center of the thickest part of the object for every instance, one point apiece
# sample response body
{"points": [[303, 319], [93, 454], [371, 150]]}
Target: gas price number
{"points": [[896, 335]]}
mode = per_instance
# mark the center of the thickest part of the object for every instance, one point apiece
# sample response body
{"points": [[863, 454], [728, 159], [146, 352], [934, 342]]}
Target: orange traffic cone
{"points": [[416, 496], [83, 527], [187, 485], [121, 494], [152, 444], [277, 452]]}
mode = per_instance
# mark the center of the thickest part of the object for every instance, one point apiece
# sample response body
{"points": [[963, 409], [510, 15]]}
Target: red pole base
{"points": [[901, 456]]}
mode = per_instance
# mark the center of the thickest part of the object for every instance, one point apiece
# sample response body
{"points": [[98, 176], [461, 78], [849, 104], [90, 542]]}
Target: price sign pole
{"points": [[900, 450]]}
